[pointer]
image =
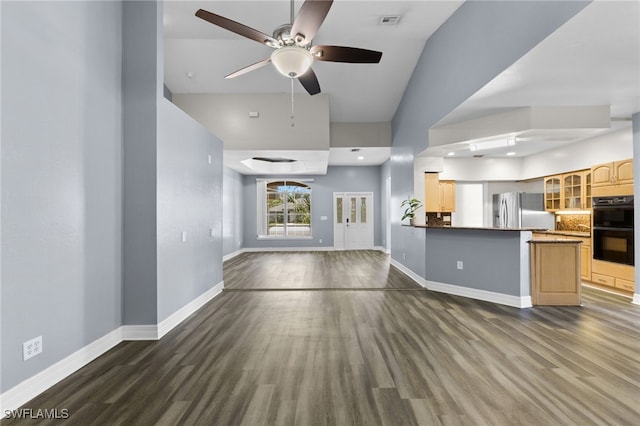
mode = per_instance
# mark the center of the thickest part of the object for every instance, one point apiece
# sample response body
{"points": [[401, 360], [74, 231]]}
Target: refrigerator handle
{"points": [[505, 214]]}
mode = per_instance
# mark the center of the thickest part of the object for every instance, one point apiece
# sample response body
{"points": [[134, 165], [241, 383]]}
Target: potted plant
{"points": [[410, 206]]}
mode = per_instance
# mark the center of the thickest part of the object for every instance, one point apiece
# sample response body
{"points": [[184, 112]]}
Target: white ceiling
{"points": [[594, 59], [358, 92]]}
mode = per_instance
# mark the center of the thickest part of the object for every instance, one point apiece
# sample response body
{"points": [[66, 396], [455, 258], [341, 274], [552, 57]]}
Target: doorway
{"points": [[353, 220]]}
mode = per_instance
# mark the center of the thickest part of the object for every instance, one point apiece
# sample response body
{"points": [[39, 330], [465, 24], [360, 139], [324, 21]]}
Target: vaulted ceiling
{"points": [[594, 59]]}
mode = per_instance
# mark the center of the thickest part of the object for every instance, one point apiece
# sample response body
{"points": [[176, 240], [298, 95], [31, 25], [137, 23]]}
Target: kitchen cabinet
{"points": [[585, 250], [555, 272], [552, 193], [614, 275], [440, 195], [585, 261], [615, 178], [447, 189], [569, 191], [576, 190]]}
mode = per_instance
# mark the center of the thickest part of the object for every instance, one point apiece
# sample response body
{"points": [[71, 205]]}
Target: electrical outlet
{"points": [[404, 256], [459, 264], [320, 241], [32, 348], [184, 236]]}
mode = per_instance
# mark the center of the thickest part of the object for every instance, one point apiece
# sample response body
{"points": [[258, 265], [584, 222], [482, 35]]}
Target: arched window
{"points": [[284, 208]]}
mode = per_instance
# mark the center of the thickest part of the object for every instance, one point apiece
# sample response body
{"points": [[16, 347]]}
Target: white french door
{"points": [[353, 220]]}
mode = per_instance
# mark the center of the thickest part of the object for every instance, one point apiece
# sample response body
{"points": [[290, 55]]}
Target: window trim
{"points": [[261, 213]]}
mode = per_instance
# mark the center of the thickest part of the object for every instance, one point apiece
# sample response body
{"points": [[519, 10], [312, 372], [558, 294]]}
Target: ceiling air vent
{"points": [[274, 160], [478, 156], [389, 20]]}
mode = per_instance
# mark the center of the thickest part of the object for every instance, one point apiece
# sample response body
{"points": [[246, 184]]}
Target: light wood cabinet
{"points": [[552, 199], [439, 195], [555, 273], [585, 262], [612, 274], [447, 190], [569, 191], [615, 178], [585, 251]]}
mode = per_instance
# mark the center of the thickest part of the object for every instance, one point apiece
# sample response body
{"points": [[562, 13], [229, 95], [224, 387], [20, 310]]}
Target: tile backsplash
{"points": [[438, 220], [573, 222]]}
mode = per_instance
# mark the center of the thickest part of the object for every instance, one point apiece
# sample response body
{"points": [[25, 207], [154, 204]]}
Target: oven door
{"points": [[613, 216], [613, 245]]}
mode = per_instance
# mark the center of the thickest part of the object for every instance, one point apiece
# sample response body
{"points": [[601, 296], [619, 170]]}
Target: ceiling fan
{"points": [[294, 52]]}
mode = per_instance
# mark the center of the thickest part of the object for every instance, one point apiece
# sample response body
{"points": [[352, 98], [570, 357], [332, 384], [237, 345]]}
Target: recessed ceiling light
{"points": [[360, 157], [511, 153], [451, 154]]}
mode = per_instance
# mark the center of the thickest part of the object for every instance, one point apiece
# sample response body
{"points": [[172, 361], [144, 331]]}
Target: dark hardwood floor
{"points": [[341, 357], [364, 269]]}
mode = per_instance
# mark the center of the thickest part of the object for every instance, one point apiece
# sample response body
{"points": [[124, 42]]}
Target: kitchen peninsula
{"points": [[490, 264]]}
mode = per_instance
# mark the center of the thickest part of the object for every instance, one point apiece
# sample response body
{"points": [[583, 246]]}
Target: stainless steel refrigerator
{"points": [[521, 210]]}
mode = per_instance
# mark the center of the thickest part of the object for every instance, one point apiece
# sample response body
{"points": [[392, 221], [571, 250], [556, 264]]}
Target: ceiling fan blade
{"points": [[352, 55], [310, 17], [237, 28], [249, 68], [310, 82]]}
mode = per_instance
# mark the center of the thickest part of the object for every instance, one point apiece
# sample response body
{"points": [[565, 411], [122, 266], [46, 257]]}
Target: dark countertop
{"points": [[568, 233], [537, 230], [472, 228], [554, 241]]}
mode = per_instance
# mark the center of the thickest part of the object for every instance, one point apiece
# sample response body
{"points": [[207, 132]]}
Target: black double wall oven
{"points": [[613, 229]]}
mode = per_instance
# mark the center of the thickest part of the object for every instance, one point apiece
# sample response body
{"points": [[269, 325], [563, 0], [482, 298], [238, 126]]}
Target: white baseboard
{"points": [[35, 385], [472, 293], [232, 255], [636, 299], [187, 310], [382, 249], [408, 272], [258, 249], [156, 331], [487, 296]]}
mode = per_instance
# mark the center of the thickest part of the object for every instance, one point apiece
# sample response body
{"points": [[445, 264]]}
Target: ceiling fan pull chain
{"points": [[292, 115]]}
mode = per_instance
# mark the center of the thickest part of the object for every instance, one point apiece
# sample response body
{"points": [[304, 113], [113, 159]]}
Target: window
{"points": [[284, 209]]}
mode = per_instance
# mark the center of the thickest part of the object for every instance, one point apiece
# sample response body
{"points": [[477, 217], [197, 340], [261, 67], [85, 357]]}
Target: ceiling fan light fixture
{"points": [[292, 61]]}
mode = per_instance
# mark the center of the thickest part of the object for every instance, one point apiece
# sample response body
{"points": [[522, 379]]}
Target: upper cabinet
{"points": [[439, 195], [552, 192], [570, 191], [615, 178], [447, 189]]}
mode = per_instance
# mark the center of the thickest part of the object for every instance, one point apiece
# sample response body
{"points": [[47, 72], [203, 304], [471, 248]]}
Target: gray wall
{"points": [[480, 40], [337, 179], [385, 203], [233, 211], [100, 176], [141, 85], [61, 179], [491, 259], [189, 200]]}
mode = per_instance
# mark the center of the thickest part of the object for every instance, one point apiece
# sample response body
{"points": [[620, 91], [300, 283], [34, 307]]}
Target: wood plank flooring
{"points": [[362, 269], [357, 357]]}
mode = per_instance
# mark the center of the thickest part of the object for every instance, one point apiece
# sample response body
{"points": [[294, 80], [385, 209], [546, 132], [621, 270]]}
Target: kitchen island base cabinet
{"points": [[555, 272]]}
